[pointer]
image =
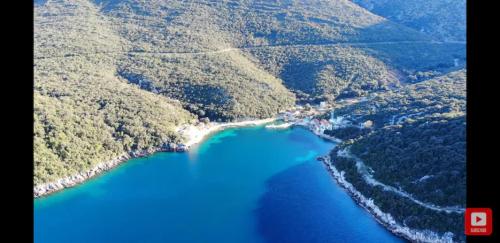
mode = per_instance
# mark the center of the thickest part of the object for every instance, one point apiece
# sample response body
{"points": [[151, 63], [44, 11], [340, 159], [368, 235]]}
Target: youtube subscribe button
{"points": [[478, 221]]}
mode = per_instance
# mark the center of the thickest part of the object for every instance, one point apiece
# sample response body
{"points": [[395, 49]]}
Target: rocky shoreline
{"points": [[196, 135], [70, 181], [384, 219]]}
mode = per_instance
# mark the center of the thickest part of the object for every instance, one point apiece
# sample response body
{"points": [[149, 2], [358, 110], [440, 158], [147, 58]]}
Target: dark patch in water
{"points": [[303, 205]]}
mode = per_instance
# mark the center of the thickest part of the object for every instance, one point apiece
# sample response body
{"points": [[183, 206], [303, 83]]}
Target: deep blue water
{"points": [[241, 185]]}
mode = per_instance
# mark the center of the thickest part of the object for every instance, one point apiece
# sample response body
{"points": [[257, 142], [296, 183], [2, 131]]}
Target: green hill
{"points": [[83, 112], [442, 19], [416, 144]]}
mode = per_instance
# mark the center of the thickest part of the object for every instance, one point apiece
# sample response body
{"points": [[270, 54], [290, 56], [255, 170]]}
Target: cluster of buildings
{"points": [[308, 117], [318, 126]]}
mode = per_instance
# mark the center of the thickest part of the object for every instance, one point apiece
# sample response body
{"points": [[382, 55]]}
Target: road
{"points": [[167, 53], [368, 177]]}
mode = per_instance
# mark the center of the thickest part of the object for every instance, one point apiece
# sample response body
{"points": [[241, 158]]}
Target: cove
{"points": [[241, 185]]}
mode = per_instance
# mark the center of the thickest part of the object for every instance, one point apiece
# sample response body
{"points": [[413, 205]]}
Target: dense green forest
{"points": [[442, 96], [324, 73], [83, 118], [403, 210], [442, 19], [225, 86], [416, 144], [84, 113]]}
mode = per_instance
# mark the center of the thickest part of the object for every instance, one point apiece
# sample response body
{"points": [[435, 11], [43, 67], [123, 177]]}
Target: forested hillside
{"points": [[417, 145], [83, 113], [443, 19], [441, 96], [185, 49]]}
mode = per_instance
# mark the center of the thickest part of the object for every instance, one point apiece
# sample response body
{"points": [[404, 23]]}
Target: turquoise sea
{"points": [[241, 185]]}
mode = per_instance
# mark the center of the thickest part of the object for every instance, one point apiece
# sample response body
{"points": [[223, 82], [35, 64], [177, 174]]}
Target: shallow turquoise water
{"points": [[240, 185]]}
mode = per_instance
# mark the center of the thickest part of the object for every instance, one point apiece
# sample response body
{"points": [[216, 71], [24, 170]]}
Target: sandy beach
{"points": [[194, 134]]}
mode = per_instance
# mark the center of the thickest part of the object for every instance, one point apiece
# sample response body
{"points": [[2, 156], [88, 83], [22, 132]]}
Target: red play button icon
{"points": [[478, 221]]}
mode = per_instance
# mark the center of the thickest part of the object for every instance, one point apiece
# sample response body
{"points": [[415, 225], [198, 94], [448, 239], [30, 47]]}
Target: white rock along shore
{"points": [[195, 134], [192, 134], [384, 219]]}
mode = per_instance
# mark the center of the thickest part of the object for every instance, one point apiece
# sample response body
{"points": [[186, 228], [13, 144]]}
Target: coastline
{"points": [[193, 134], [385, 219]]}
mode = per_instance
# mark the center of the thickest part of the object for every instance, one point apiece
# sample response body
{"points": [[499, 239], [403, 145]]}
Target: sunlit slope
{"points": [[83, 113], [221, 86], [286, 37]]}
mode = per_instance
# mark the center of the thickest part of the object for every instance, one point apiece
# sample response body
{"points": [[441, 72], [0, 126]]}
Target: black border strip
{"points": [[481, 109]]}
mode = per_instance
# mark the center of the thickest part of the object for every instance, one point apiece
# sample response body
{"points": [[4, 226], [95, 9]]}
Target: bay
{"points": [[247, 185]]}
